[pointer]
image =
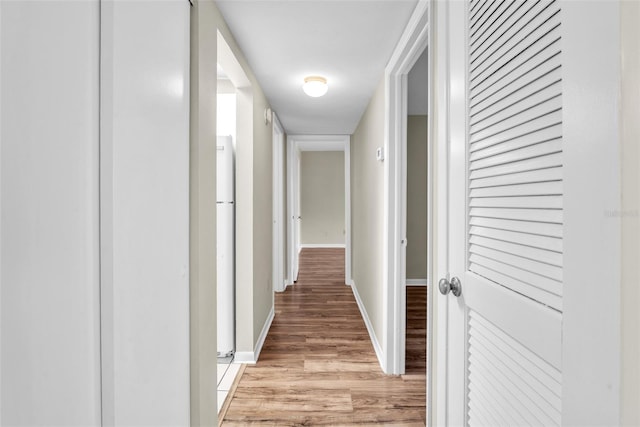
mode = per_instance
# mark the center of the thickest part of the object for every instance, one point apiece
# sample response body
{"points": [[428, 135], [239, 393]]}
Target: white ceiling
{"points": [[347, 41]]}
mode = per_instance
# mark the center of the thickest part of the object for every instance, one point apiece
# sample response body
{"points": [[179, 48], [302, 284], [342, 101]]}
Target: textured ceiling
{"points": [[347, 41]]}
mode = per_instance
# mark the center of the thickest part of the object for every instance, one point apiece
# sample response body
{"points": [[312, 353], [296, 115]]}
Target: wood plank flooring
{"points": [[318, 366], [416, 335]]}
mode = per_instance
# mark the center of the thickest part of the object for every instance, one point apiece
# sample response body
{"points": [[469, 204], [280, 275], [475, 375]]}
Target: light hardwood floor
{"points": [[416, 336], [317, 366]]}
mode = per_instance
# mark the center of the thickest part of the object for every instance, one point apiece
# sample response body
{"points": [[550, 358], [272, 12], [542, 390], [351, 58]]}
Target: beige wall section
{"points": [[367, 182], [322, 197], [202, 207], [630, 25], [262, 214], [417, 197]]}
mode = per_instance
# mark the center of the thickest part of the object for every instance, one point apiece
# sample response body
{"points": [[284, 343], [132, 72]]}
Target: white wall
{"points": [[145, 212], [49, 283]]}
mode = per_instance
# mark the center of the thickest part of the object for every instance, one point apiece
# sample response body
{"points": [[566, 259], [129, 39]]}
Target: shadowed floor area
{"points": [[318, 366]]}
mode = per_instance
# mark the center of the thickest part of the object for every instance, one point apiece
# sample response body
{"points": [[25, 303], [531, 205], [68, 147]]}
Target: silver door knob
{"points": [[454, 286]]}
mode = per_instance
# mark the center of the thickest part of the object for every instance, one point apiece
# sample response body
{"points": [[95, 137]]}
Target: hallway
{"points": [[318, 366]]}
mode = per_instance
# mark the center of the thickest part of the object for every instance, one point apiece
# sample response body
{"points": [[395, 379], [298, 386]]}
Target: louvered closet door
{"points": [[507, 216]]}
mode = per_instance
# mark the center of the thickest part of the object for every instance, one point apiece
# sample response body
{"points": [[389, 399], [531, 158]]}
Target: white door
{"points": [[505, 213]]}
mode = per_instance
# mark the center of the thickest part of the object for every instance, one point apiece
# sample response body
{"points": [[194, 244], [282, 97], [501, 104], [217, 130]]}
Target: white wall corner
{"points": [[251, 357], [376, 345]]}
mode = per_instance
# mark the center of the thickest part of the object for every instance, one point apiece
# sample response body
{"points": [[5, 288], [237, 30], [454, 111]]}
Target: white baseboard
{"points": [[251, 357], [322, 245], [244, 357], [416, 282], [367, 322], [263, 334]]}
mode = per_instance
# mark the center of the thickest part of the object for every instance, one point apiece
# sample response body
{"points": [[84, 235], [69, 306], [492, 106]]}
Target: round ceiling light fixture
{"points": [[315, 86]]}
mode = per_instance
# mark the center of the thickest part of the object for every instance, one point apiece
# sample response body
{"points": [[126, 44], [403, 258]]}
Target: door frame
{"points": [[296, 144], [278, 210], [408, 50], [592, 154]]}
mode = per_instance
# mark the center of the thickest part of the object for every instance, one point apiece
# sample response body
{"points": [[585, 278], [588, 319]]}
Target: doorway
{"points": [[235, 96], [414, 43], [416, 216], [296, 146]]}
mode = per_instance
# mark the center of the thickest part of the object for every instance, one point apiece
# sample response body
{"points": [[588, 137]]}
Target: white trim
{"points": [[347, 212], [244, 357], [367, 322], [322, 245], [278, 197], [416, 282], [295, 144], [440, 57], [292, 211], [411, 45], [252, 357]]}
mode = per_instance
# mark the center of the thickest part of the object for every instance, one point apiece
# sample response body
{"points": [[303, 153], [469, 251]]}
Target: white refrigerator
{"points": [[225, 246]]}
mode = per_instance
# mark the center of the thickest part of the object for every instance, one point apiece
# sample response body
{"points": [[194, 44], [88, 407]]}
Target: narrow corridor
{"points": [[318, 366]]}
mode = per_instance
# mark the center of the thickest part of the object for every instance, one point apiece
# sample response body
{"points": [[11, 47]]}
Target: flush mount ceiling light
{"points": [[315, 86]]}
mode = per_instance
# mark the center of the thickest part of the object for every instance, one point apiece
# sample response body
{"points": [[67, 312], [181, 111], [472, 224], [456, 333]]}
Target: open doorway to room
{"points": [[225, 215], [318, 205], [234, 123], [416, 217], [405, 168]]}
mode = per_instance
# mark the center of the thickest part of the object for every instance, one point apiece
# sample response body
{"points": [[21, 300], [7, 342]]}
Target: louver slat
{"points": [[520, 238], [508, 384], [545, 128], [529, 159], [515, 149], [526, 77], [502, 15], [548, 257], [532, 92], [540, 175], [515, 208], [514, 31], [492, 60], [535, 53]]}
